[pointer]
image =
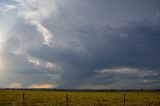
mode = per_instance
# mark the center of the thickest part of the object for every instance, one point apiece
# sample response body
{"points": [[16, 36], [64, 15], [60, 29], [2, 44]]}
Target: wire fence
{"points": [[22, 101]]}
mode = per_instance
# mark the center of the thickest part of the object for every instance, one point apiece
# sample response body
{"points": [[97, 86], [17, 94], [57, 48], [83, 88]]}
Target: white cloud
{"points": [[126, 71], [50, 65], [6, 8], [35, 12], [149, 81], [40, 63], [33, 61]]}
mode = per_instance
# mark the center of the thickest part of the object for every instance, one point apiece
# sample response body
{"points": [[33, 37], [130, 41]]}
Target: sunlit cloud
{"points": [[2, 40], [127, 71], [50, 65], [33, 61], [149, 81], [4, 8], [40, 63], [35, 12], [43, 86]]}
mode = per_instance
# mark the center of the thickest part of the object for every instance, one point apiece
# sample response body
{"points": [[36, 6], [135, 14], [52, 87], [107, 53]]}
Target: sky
{"points": [[80, 44]]}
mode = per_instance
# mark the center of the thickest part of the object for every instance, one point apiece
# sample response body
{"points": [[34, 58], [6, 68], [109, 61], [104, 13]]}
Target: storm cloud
{"points": [[83, 44], [135, 45]]}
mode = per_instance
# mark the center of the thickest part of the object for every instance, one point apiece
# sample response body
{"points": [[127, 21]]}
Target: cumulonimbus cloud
{"points": [[88, 52]]}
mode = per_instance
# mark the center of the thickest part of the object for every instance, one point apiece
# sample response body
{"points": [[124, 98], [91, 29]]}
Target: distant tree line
{"points": [[76, 90]]}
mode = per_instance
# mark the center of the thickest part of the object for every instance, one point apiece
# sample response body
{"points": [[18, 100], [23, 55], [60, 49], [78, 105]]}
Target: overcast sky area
{"points": [[80, 44]]}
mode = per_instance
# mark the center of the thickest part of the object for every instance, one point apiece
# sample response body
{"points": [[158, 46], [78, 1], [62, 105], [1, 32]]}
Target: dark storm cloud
{"points": [[135, 45], [110, 12], [95, 44]]}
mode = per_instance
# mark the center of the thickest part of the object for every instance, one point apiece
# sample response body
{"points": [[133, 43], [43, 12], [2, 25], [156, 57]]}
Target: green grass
{"points": [[57, 98]]}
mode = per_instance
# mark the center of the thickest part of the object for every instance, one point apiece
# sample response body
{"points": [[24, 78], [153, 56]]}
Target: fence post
{"points": [[67, 100], [23, 99], [149, 104], [124, 99], [13, 101]]}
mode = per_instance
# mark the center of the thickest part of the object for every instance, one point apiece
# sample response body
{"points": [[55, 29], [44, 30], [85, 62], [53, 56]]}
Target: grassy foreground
{"points": [[62, 98]]}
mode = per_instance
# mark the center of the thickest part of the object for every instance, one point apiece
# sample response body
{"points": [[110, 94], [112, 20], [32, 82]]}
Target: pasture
{"points": [[68, 98]]}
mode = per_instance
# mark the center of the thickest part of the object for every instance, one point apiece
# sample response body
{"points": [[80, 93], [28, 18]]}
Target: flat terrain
{"points": [[66, 98]]}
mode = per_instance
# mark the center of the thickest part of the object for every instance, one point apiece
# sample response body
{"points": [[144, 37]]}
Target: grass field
{"points": [[60, 98]]}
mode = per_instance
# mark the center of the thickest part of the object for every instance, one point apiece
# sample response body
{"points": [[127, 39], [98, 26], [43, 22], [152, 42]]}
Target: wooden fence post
{"points": [[149, 104], [13, 101], [23, 99], [124, 99], [67, 100]]}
